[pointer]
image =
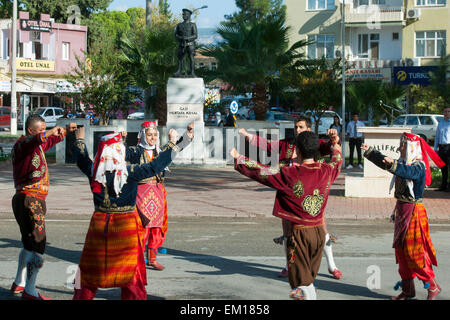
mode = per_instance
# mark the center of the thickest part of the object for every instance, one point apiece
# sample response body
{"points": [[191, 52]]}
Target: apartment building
{"points": [[379, 34], [45, 52], [426, 35]]}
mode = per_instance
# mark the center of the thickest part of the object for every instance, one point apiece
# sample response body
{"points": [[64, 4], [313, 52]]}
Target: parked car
{"points": [[326, 120], [5, 117], [136, 116], [424, 125], [214, 119], [245, 113], [279, 118], [280, 109], [50, 115]]}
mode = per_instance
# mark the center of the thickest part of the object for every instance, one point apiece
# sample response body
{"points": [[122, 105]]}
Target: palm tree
{"points": [[151, 61], [253, 52]]}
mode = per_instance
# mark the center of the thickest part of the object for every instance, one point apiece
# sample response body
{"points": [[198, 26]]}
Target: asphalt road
{"points": [[230, 258]]}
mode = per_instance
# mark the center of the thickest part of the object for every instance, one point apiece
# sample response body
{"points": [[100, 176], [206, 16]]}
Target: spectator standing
{"points": [[355, 139]]}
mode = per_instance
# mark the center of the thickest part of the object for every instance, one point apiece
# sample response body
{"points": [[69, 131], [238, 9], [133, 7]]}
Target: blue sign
{"points": [[414, 75], [234, 106]]}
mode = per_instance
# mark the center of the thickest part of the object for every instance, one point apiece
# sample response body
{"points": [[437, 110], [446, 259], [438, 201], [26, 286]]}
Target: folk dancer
{"points": [[287, 156], [113, 251], [31, 181], [302, 194], [414, 251], [151, 201]]}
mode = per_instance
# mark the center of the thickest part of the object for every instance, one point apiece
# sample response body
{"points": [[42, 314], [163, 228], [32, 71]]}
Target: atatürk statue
{"points": [[186, 34]]}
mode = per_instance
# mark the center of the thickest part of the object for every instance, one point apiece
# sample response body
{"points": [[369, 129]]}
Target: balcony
{"points": [[371, 15], [357, 63]]}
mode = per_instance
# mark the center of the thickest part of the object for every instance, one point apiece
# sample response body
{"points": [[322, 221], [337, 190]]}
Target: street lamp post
{"points": [[343, 79], [14, 71]]}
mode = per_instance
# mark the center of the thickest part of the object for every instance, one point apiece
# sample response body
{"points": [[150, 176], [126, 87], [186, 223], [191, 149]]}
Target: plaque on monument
{"points": [[185, 101]]}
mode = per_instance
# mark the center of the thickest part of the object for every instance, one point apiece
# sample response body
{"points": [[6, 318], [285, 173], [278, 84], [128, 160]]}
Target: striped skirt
{"points": [[417, 239], [113, 251]]}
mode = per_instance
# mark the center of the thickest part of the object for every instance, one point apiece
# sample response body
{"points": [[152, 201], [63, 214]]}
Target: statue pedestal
{"points": [[185, 100], [374, 182]]}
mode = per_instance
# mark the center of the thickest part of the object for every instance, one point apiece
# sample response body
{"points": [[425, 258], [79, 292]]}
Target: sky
{"points": [[207, 18]]}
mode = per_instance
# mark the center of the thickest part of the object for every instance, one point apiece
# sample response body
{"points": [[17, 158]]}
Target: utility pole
{"points": [[343, 80], [148, 13], [14, 71]]}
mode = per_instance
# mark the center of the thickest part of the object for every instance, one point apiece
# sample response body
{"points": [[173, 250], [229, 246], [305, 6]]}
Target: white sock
{"points": [[309, 291], [24, 257], [33, 267], [329, 253]]}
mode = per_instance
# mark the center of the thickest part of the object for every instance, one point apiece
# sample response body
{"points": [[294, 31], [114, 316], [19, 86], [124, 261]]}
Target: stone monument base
{"points": [[358, 186]]}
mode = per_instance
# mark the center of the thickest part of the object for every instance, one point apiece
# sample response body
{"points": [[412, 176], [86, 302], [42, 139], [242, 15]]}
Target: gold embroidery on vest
{"points": [[36, 161], [313, 203], [252, 164], [265, 172], [298, 189]]}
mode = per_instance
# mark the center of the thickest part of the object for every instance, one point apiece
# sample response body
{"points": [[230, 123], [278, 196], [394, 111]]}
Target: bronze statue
{"points": [[186, 34]]}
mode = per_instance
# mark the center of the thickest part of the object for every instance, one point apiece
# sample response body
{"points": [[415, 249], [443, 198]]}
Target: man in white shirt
{"points": [[355, 139], [442, 147]]}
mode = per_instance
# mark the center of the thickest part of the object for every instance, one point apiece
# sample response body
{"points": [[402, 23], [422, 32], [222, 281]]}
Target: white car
{"points": [[424, 125], [136, 116], [326, 120], [50, 115]]}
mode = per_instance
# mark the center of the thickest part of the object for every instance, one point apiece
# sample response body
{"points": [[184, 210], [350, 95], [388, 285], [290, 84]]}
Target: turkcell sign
{"points": [[413, 75]]}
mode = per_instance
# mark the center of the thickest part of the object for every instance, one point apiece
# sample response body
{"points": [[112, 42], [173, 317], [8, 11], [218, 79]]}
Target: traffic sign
{"points": [[234, 106], [25, 100]]}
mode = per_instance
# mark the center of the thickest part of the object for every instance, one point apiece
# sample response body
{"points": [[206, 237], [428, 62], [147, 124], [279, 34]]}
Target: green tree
{"points": [[377, 98], [440, 80], [425, 99], [110, 26], [253, 52], [103, 80], [58, 9], [248, 10], [317, 86], [150, 59]]}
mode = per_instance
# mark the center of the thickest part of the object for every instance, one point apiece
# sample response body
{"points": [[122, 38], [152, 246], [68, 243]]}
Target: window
{"points": [[322, 46], [37, 50], [379, 2], [59, 112], [395, 36], [65, 50], [430, 2], [399, 121], [19, 49], [48, 113], [320, 4], [426, 120], [430, 43], [412, 121], [369, 46]]}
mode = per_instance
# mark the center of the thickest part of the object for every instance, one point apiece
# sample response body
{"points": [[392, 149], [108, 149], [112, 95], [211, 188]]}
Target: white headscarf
{"points": [[143, 139], [112, 159], [413, 154]]}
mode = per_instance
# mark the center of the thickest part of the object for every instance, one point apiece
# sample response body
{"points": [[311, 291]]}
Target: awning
{"points": [[30, 85], [63, 86]]}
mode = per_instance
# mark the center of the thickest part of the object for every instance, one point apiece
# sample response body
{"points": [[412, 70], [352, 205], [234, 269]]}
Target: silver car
{"points": [[424, 125]]}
